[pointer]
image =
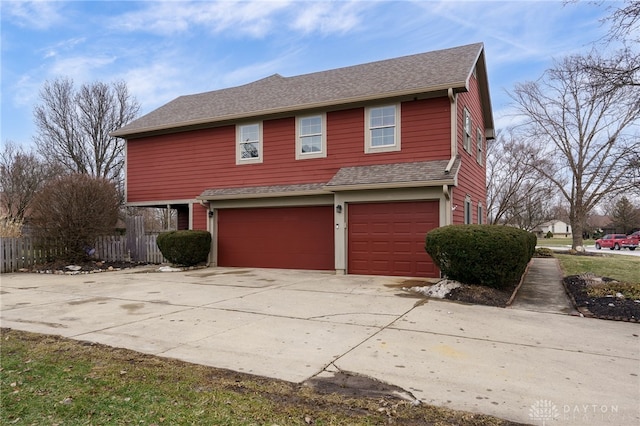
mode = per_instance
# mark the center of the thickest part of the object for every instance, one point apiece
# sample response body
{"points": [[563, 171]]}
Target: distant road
{"points": [[592, 249]]}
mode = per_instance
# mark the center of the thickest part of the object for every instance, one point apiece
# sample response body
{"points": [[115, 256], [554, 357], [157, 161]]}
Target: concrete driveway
{"points": [[521, 365]]}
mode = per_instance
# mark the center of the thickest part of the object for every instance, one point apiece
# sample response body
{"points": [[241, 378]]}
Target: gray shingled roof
{"points": [[421, 73], [423, 173], [263, 191]]}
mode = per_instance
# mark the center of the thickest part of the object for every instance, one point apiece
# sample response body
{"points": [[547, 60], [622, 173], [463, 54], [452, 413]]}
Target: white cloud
{"points": [[539, 30], [258, 70], [253, 18], [54, 50], [25, 91], [328, 17], [40, 15], [80, 68], [155, 84]]}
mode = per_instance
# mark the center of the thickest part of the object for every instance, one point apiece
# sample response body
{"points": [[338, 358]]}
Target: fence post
{"points": [[135, 238]]}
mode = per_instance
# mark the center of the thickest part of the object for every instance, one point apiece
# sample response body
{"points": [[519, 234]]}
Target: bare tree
{"points": [[623, 66], [73, 210], [625, 22], [22, 175], [581, 135], [74, 126], [155, 219], [516, 193]]}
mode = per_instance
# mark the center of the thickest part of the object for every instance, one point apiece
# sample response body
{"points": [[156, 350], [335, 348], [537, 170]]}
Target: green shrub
{"points": [[543, 252], [549, 234], [490, 255], [186, 248]]}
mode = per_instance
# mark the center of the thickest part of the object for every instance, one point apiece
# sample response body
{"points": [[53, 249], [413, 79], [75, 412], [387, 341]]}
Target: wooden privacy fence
{"points": [[18, 253]]}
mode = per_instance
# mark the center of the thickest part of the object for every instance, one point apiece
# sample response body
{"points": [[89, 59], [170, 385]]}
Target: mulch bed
{"points": [[611, 307], [481, 295]]}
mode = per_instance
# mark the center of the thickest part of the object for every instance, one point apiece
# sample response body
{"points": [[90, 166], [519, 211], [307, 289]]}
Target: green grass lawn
{"points": [[561, 242], [49, 380], [622, 268]]}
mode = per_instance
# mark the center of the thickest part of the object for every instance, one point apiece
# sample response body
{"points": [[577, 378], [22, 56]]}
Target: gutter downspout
{"points": [[454, 129], [447, 212]]}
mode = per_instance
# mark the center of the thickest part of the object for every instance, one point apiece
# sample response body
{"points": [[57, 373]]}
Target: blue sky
{"points": [[167, 49]]}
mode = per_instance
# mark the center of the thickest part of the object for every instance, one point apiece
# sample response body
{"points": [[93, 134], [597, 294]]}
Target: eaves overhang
{"points": [[460, 86]]}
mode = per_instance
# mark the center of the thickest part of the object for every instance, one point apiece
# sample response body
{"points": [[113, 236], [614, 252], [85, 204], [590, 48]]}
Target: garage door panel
{"points": [[291, 237], [388, 238]]}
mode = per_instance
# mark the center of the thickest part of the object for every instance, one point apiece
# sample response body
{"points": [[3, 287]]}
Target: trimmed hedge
{"points": [[490, 255], [188, 247]]}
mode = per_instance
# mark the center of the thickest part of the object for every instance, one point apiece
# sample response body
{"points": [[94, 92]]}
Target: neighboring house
{"points": [[343, 170], [557, 227]]}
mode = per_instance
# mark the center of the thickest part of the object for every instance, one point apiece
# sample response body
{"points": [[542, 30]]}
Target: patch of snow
{"points": [[73, 267], [438, 291], [168, 269]]}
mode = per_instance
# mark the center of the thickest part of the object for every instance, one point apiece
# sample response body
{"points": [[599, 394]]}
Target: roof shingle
{"points": [[424, 172], [421, 73]]}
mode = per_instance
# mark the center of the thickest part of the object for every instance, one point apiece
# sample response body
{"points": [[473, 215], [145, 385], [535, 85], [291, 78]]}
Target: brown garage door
{"points": [[290, 238], [388, 238]]}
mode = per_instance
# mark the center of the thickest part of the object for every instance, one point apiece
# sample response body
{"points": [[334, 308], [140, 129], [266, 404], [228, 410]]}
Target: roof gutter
{"points": [[279, 194], [390, 185], [454, 129]]}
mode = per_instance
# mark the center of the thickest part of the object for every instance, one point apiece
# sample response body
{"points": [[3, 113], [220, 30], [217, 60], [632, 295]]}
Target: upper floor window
{"points": [[249, 143], [382, 129], [467, 211], [480, 147], [467, 130], [311, 137]]}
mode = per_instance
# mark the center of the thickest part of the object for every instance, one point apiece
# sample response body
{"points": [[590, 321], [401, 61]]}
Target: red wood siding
{"points": [[388, 238], [472, 175], [292, 238], [180, 166], [200, 217]]}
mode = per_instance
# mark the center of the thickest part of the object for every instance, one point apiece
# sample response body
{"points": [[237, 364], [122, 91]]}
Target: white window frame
{"points": [[239, 143], [468, 215], [323, 137], [368, 148], [480, 214], [467, 126], [479, 147]]}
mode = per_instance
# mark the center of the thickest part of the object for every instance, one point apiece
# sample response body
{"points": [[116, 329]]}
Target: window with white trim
{"points": [[311, 137], [479, 147], [249, 143], [480, 214], [467, 130], [467, 210], [382, 129]]}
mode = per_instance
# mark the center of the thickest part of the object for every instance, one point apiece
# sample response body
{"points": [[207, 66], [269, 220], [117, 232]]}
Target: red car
{"points": [[617, 241]]}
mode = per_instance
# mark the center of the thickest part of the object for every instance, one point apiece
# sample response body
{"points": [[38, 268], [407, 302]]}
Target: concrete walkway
{"points": [[542, 289], [297, 326]]}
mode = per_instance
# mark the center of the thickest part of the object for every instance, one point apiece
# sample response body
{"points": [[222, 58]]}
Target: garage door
{"points": [[388, 238], [290, 238]]}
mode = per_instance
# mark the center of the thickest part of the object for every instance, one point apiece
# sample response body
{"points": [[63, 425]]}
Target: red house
{"points": [[342, 170]]}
